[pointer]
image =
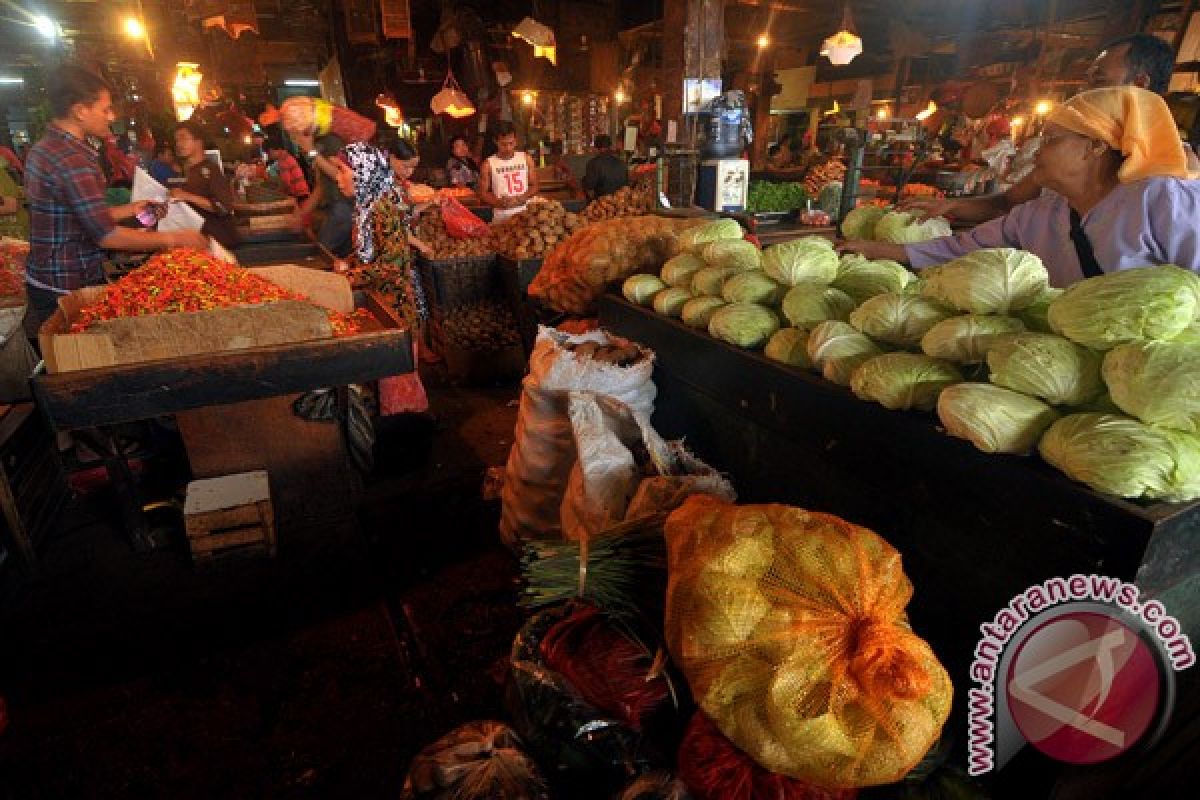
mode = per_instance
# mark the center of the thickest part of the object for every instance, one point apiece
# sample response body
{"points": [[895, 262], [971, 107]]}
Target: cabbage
{"points": [[898, 319], [1127, 306], [1157, 382], [751, 287], [807, 304], [1034, 315], [679, 270], [732, 253], [810, 259], [863, 279], [670, 301], [837, 350], [902, 227], [693, 239], [697, 312], [994, 419], [967, 339], [789, 346], [994, 281], [1047, 366], [1118, 455], [743, 324], [901, 381], [709, 280], [860, 223], [915, 286], [640, 289]]}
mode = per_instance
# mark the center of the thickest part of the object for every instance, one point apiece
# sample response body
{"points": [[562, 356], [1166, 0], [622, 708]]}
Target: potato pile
{"points": [[577, 272], [628, 201], [535, 231], [431, 229], [615, 353], [483, 327]]}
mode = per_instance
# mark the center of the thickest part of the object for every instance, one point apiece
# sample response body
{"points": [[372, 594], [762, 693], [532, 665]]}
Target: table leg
{"points": [[105, 444]]}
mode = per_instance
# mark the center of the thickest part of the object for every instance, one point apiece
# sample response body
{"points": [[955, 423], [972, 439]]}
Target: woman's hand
{"points": [[875, 250], [927, 207]]}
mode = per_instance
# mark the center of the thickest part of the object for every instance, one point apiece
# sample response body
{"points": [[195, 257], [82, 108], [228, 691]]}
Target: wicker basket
{"points": [[453, 282]]}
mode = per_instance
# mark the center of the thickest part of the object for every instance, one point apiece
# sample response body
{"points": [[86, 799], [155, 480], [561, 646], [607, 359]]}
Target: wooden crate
{"points": [[229, 514]]}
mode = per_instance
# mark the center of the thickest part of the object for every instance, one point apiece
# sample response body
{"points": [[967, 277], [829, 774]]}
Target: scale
{"points": [[722, 184]]}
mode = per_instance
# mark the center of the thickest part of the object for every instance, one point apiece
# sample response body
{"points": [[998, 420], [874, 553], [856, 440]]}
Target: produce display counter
{"points": [[975, 529]]}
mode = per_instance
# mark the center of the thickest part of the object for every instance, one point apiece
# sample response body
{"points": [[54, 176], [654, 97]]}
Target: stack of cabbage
{"points": [[898, 227]]}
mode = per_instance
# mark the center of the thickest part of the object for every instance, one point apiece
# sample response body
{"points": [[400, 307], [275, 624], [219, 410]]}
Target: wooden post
{"points": [[675, 13]]}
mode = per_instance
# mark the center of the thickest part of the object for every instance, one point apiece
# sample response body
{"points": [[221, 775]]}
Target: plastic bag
{"points": [[477, 761], [403, 394], [460, 222], [713, 769], [790, 628], [543, 450], [315, 117], [560, 727], [610, 671], [655, 786]]}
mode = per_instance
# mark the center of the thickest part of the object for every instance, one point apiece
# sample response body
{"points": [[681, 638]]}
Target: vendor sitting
{"points": [[605, 172], [1119, 197], [205, 187], [461, 168]]}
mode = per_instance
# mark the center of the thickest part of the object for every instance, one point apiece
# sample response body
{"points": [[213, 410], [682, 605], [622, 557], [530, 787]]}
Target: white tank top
{"points": [[509, 178]]}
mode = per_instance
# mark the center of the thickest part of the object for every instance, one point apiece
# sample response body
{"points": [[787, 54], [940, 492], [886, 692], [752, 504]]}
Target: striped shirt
{"points": [[68, 216]]}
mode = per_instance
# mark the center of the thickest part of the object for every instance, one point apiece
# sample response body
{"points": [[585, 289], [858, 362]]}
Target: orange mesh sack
{"points": [[790, 628]]}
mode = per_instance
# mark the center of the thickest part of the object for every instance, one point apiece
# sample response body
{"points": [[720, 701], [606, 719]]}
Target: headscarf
{"points": [[1133, 121]]}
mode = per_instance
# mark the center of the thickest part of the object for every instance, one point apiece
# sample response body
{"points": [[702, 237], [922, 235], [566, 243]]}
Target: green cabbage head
{"points": [[1128, 306], [697, 312], [751, 287], [679, 270], [789, 346], [863, 279], [1157, 382], [898, 319], [994, 281], [670, 301], [1034, 315], [810, 303], [902, 227], [693, 239], [743, 324], [860, 222], [708, 281], [810, 259], [1117, 455], [902, 381], [994, 419], [837, 350], [732, 253], [967, 339], [640, 289], [1047, 366]]}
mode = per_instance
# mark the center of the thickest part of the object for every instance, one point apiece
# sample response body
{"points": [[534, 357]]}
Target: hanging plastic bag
{"points": [[477, 761], [588, 747], [460, 222], [543, 450], [713, 769], [790, 628]]}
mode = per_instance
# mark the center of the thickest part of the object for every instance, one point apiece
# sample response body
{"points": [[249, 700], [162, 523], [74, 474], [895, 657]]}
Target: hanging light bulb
{"points": [[452, 100], [540, 36], [845, 45]]}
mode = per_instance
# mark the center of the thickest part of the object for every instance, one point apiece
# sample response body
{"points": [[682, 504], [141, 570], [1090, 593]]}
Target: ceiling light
{"points": [[309, 82], [845, 45], [46, 26], [764, 41]]}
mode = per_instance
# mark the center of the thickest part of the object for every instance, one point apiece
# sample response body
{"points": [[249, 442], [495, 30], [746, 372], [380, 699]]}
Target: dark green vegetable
{"points": [[771, 196]]}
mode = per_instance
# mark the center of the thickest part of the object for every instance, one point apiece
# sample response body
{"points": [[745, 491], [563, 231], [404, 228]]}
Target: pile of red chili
{"points": [[189, 280]]}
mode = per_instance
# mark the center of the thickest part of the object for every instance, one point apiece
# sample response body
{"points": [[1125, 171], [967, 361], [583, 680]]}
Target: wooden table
{"points": [[233, 407]]}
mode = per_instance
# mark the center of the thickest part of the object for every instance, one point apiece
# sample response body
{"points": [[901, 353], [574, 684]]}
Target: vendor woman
{"points": [[205, 187], [1119, 198]]}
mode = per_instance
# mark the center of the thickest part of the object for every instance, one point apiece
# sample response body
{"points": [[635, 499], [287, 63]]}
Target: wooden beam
{"points": [[777, 5]]}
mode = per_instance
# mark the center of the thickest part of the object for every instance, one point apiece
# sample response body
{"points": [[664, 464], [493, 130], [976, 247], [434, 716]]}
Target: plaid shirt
{"points": [[68, 216], [292, 176]]}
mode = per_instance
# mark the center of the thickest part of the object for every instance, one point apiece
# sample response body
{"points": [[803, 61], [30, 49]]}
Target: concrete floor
{"points": [[319, 674]]}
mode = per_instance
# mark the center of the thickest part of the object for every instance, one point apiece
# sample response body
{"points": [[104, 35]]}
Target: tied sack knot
{"points": [[882, 663]]}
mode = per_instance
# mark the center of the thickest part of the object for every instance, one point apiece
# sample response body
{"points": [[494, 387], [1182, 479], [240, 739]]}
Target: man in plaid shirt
{"points": [[70, 224], [290, 173]]}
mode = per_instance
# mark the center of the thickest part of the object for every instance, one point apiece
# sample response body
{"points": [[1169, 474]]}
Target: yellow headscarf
{"points": [[1132, 120]]}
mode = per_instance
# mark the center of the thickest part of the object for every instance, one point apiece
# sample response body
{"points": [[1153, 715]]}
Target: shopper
{"points": [[509, 178], [336, 207], [205, 188], [605, 172], [164, 167], [71, 225], [462, 169]]}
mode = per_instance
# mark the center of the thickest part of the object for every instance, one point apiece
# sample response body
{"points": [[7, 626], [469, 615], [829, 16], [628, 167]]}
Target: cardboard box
{"points": [[132, 340]]}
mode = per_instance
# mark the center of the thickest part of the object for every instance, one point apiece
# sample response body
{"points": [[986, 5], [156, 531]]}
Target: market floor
{"points": [[319, 674]]}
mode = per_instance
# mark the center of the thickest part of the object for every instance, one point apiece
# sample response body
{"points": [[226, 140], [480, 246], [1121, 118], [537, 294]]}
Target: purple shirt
{"points": [[1139, 224]]}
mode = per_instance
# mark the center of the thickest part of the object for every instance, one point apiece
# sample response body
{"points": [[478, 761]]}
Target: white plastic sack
{"points": [[543, 450]]}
